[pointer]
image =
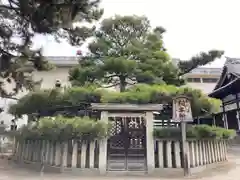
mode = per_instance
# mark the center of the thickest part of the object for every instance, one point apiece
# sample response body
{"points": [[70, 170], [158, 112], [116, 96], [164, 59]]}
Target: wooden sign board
{"points": [[182, 109]]}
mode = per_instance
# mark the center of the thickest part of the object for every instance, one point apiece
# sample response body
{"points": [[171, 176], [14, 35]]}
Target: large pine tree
{"points": [[20, 20], [127, 50]]}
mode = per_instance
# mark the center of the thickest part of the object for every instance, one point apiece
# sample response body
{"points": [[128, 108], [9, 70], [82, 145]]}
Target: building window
{"points": [[194, 80], [209, 80]]}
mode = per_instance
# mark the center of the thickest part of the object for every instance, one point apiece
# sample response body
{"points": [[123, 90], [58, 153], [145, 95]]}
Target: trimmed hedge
{"points": [[60, 129], [195, 132], [138, 94]]}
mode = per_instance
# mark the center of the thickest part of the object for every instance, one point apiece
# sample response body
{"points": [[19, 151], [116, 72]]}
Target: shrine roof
{"points": [[229, 78]]}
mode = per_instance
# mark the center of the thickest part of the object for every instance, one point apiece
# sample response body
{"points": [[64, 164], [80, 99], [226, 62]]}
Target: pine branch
{"points": [[202, 59], [24, 18]]}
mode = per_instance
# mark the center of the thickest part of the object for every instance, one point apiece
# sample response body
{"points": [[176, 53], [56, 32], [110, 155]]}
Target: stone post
{"points": [[221, 150], [47, 151], [225, 150], [65, 154], [58, 154], [217, 150], [35, 149], [26, 150], [43, 150], [177, 154], [212, 151], [150, 142], [15, 145], [207, 152], [160, 154], [169, 154], [38, 156], [23, 149], [192, 154], [210, 156], [74, 154], [199, 143], [204, 152], [103, 147], [83, 155], [20, 150], [91, 154], [30, 150], [196, 147], [51, 153]]}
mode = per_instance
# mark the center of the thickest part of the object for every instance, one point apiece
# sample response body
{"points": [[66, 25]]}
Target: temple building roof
{"points": [[233, 65], [229, 80]]}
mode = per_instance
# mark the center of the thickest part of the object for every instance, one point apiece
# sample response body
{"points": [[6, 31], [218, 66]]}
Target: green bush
{"points": [[195, 132], [138, 94], [60, 128]]}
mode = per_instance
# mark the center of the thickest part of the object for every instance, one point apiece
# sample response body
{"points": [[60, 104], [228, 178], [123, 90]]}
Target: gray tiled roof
{"points": [[232, 65]]}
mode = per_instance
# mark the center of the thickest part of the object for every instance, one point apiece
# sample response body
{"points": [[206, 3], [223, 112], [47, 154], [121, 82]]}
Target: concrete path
{"points": [[229, 171]]}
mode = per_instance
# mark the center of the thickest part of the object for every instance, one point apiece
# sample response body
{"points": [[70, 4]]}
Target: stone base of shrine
{"points": [[158, 172], [36, 166], [178, 172]]}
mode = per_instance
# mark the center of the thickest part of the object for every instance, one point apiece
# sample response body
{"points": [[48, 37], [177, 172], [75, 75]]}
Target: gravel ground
{"points": [[228, 171]]}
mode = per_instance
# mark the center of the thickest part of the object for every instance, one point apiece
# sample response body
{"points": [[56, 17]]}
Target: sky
{"points": [[192, 26]]}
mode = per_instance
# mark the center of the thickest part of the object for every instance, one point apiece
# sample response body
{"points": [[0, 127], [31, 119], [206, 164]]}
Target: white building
{"points": [[200, 78], [203, 78]]}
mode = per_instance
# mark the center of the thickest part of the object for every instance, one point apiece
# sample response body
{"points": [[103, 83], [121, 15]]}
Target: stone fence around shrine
{"points": [[84, 158], [201, 154], [92, 158], [59, 157]]}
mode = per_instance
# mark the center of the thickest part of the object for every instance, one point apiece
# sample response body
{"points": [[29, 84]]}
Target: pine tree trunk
{"points": [[123, 83]]}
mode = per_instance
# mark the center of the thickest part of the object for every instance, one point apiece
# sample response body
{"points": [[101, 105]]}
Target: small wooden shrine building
{"points": [[228, 91]]}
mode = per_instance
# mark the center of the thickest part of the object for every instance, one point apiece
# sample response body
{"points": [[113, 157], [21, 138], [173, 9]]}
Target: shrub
{"points": [[138, 94], [195, 132], [60, 128]]}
